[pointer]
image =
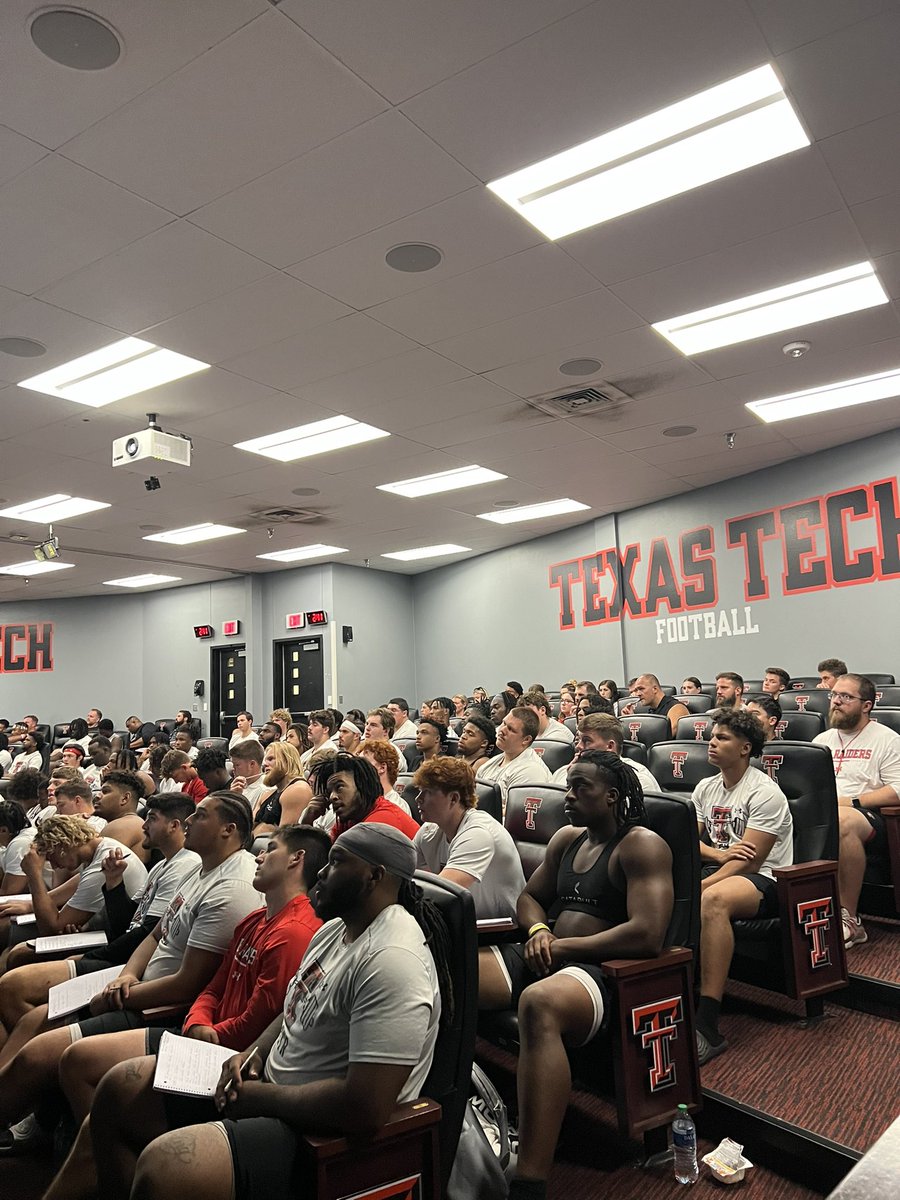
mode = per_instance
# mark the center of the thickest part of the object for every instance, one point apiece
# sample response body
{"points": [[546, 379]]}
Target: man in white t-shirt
{"points": [[517, 762], [601, 731], [16, 836], [356, 1038], [246, 763], [399, 710], [867, 773], [380, 726], [464, 845], [385, 758], [31, 756], [170, 967], [549, 729], [746, 832]]}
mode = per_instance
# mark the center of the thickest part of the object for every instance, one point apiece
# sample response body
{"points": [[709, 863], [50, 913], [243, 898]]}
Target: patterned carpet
{"points": [[879, 957]]}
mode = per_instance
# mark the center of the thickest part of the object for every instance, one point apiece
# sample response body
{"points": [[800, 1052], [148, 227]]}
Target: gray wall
{"points": [[380, 661]]}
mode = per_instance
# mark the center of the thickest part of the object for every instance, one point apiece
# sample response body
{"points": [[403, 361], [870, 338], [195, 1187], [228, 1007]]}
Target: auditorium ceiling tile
{"points": [[65, 335], [879, 223], [463, 400], [52, 104], [577, 79], [174, 268], [216, 403], [674, 453], [858, 162], [453, 431], [815, 369], [835, 429], [397, 388], [788, 25], [376, 173], [257, 100], [17, 154], [470, 229], [58, 217]]}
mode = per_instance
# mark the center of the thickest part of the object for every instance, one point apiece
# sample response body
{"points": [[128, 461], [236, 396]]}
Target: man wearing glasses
{"points": [[867, 772]]}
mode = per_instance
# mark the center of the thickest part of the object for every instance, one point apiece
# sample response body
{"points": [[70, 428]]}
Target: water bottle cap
{"points": [[682, 1108]]}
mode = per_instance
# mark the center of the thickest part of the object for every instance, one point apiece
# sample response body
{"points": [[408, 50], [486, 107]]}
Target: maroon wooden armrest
{"points": [[812, 936], [163, 1014]]}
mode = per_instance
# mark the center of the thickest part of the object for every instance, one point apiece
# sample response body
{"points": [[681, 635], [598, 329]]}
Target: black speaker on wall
{"points": [[347, 634]]}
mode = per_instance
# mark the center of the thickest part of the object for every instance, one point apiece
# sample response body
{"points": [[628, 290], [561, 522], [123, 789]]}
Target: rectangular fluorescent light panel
{"points": [[533, 512], [427, 552], [441, 481], [193, 533], [59, 507], [35, 568], [789, 307], [137, 581], [319, 437], [726, 129], [122, 369], [301, 552], [826, 399]]}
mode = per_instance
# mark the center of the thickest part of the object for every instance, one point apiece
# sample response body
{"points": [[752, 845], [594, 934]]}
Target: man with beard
{"points": [[356, 1038], [867, 773]]}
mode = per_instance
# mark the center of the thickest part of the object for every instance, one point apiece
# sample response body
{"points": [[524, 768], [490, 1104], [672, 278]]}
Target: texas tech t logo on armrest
{"points": [[677, 758], [814, 918], [656, 1025], [772, 765], [531, 805]]}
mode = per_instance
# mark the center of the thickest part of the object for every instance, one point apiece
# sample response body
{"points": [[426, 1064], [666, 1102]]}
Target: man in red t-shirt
{"points": [[354, 792], [178, 767], [246, 993]]}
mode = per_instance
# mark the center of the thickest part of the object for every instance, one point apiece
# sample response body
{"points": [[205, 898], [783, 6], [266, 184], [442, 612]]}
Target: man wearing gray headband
{"points": [[356, 1038]]}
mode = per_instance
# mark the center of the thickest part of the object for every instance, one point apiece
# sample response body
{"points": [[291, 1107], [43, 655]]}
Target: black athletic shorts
{"points": [[511, 958], [876, 843], [767, 888], [87, 966], [117, 1022], [264, 1157]]}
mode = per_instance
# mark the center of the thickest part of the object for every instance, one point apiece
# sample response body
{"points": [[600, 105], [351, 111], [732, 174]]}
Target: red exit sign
{"points": [[231, 628], [295, 620]]}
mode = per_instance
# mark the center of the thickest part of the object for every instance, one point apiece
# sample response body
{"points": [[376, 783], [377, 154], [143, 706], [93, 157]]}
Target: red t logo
{"points": [[801, 703], [700, 730], [677, 758], [657, 1026], [634, 728], [772, 764], [814, 918], [532, 804]]}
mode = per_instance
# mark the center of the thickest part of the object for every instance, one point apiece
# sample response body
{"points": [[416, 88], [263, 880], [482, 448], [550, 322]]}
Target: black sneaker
{"points": [[25, 1137], [707, 1049]]}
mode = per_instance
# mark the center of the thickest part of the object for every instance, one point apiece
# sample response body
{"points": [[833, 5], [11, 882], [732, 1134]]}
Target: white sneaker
{"points": [[854, 933]]}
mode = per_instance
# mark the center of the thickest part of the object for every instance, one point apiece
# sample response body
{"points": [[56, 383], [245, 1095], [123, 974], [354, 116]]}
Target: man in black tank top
{"points": [[606, 883]]}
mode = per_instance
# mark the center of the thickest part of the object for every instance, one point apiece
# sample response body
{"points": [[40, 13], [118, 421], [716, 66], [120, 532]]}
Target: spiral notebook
{"points": [[186, 1067]]}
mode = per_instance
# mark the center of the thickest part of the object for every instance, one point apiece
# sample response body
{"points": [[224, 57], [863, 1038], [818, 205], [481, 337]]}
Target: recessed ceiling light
{"points": [[727, 128], [35, 568], [122, 369], [150, 528], [204, 532], [427, 552], [136, 581], [506, 504], [677, 431], [301, 552], [442, 481], [319, 437], [794, 304], [580, 366], [75, 39], [21, 347], [532, 512], [307, 491], [53, 508], [844, 394], [413, 257]]}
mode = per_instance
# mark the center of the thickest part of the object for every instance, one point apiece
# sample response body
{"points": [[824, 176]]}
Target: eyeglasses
{"points": [[843, 697]]}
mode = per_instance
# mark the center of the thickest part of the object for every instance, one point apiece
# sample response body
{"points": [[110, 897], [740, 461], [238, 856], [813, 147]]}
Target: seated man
{"points": [[399, 710], [775, 680], [610, 881], [100, 750], [867, 772], [32, 753], [246, 763], [183, 739], [16, 836], [212, 768], [178, 767], [600, 731], [130, 919], [74, 798], [652, 699], [386, 760], [354, 793], [169, 968], [829, 671], [380, 725], [517, 762], [350, 735], [745, 832], [549, 729], [464, 845], [357, 1038], [141, 732], [320, 729], [117, 803], [768, 711]]}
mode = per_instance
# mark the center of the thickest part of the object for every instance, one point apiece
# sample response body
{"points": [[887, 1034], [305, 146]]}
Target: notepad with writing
{"points": [[188, 1067], [70, 942], [68, 997]]}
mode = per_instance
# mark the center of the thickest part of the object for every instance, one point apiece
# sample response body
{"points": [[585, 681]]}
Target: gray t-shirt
{"points": [[162, 885], [755, 802], [483, 849], [204, 912], [88, 895], [375, 1000]]}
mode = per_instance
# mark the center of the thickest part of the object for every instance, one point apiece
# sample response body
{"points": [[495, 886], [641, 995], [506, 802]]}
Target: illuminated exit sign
{"points": [[295, 620]]}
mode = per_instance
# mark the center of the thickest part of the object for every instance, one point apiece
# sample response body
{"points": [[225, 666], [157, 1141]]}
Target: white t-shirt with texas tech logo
{"points": [[204, 912], [755, 802], [373, 1000], [864, 762]]}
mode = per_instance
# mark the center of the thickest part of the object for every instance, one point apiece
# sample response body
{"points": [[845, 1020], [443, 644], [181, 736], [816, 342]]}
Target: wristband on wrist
{"points": [[537, 927]]}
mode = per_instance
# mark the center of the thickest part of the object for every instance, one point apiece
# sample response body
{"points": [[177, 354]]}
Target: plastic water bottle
{"points": [[684, 1140]]}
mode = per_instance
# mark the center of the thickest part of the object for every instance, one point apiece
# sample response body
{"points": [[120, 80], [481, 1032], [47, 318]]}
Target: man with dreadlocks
{"points": [[354, 791], [607, 882], [356, 1038]]}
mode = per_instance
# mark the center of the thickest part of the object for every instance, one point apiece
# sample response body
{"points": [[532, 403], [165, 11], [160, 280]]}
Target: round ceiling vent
{"points": [[413, 257], [75, 39], [305, 491], [679, 431], [580, 366], [21, 347]]}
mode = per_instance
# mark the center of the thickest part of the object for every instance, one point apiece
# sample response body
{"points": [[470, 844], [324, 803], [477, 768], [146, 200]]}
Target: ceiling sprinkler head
{"points": [[729, 440]]}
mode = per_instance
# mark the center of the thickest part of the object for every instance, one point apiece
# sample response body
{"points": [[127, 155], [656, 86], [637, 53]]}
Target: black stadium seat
{"points": [[877, 677], [646, 727], [166, 724], [60, 734], [213, 743], [533, 815], [887, 694], [804, 683], [554, 754], [667, 689], [679, 766], [696, 728], [696, 704], [636, 751], [817, 701], [889, 717], [799, 726], [43, 730], [489, 799]]}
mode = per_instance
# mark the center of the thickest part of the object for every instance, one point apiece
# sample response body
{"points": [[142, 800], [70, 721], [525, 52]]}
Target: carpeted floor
{"points": [[879, 957], [838, 1078]]}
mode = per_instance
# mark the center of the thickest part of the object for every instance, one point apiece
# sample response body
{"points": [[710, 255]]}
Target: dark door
{"points": [[299, 675], [229, 688]]}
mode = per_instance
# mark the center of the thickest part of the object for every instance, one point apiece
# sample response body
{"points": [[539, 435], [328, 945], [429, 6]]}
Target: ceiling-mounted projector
{"points": [[153, 442]]}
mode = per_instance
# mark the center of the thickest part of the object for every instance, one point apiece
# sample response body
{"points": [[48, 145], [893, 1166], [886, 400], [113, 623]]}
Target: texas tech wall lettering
{"points": [[26, 648]]}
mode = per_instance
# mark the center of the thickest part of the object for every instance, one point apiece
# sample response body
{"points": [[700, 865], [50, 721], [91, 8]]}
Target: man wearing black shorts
{"points": [[610, 881], [745, 832]]}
